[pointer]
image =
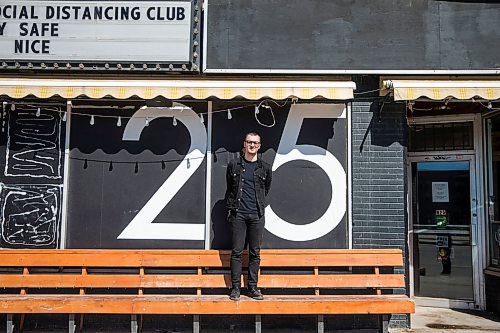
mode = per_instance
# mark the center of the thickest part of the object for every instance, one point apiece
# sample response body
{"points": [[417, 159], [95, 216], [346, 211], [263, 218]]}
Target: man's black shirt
{"points": [[248, 203]]}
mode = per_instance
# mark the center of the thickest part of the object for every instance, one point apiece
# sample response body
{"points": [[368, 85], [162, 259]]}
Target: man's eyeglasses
{"points": [[255, 143]]}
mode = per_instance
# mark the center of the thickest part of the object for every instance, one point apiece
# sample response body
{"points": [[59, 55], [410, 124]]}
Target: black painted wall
{"points": [[112, 178], [301, 191], [353, 35], [142, 191]]}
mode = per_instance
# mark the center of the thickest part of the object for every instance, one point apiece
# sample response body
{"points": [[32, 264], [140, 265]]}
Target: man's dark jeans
{"points": [[246, 227]]}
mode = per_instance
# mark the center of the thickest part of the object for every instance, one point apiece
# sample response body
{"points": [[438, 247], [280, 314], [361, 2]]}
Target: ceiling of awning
{"points": [[441, 89], [176, 89]]}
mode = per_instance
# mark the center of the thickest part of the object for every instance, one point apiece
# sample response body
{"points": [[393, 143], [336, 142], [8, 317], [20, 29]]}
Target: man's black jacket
{"points": [[234, 173]]}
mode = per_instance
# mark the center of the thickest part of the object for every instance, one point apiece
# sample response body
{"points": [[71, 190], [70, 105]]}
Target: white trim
{"points": [[349, 174], [491, 113], [33, 82], [477, 270], [205, 34], [482, 227], [64, 209], [208, 181], [444, 303], [350, 71], [440, 83], [478, 223], [431, 154], [453, 118], [439, 302], [409, 210], [488, 153]]}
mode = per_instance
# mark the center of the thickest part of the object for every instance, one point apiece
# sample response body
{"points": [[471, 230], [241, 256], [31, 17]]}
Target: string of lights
{"points": [[488, 106], [256, 106], [410, 105], [37, 112]]}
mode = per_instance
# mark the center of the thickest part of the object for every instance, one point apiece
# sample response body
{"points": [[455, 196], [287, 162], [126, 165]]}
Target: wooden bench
{"points": [[293, 282]]}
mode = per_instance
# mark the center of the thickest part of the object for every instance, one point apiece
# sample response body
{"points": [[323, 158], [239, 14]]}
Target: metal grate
{"points": [[440, 137]]}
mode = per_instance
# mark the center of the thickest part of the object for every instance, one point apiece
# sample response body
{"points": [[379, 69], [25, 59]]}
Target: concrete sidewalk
{"points": [[433, 320]]}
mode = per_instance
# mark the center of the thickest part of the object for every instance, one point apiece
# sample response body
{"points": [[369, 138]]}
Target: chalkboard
{"points": [[360, 35], [31, 182]]}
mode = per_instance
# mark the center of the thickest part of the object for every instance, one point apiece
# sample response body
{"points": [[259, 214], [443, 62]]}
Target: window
{"points": [[441, 136]]}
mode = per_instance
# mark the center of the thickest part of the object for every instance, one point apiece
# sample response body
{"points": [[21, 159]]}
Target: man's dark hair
{"points": [[251, 133]]}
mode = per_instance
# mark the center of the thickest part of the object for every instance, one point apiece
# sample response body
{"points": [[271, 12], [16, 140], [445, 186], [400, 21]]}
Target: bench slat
{"points": [[202, 281], [162, 304], [196, 258]]}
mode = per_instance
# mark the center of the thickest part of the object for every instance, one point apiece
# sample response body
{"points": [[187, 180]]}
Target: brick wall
{"points": [[379, 208]]}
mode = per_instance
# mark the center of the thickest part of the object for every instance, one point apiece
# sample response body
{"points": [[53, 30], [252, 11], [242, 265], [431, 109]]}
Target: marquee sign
{"points": [[134, 35]]}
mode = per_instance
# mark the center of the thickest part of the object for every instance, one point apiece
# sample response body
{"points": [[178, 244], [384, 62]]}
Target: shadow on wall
{"points": [[220, 227], [387, 126]]}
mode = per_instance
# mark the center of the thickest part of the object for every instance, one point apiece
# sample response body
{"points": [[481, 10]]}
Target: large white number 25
{"points": [[288, 150], [142, 226]]}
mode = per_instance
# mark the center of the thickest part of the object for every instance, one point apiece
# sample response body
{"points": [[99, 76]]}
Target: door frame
{"points": [[478, 232]]}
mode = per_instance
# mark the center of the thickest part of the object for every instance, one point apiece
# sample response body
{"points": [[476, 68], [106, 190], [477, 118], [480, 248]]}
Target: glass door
{"points": [[443, 228]]}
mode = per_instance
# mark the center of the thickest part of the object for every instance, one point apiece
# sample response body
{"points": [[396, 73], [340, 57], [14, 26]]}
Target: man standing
{"points": [[248, 180]]}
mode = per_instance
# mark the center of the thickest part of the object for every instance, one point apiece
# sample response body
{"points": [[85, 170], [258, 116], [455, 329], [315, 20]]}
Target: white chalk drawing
{"points": [[30, 215], [33, 145], [289, 150]]}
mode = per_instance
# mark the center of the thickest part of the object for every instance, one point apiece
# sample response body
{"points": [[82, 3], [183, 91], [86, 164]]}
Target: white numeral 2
{"points": [[288, 150], [142, 226]]}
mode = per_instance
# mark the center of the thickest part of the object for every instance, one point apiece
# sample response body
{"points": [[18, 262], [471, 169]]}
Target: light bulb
{"points": [[490, 106], [38, 112], [92, 120], [13, 107], [64, 116], [174, 121], [256, 109], [119, 122], [147, 121], [229, 115]]}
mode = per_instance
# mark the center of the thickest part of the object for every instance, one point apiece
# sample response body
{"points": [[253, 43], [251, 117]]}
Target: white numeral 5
{"points": [[288, 150]]}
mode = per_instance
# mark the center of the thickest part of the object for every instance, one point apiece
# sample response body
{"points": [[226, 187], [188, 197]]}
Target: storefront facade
{"points": [[450, 179], [112, 148], [424, 62]]}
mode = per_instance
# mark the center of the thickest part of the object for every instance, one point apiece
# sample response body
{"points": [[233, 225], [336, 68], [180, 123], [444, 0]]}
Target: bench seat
{"points": [[206, 304], [197, 282]]}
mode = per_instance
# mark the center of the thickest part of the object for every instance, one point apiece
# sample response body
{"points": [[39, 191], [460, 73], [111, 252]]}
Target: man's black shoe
{"points": [[255, 294], [235, 294]]}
